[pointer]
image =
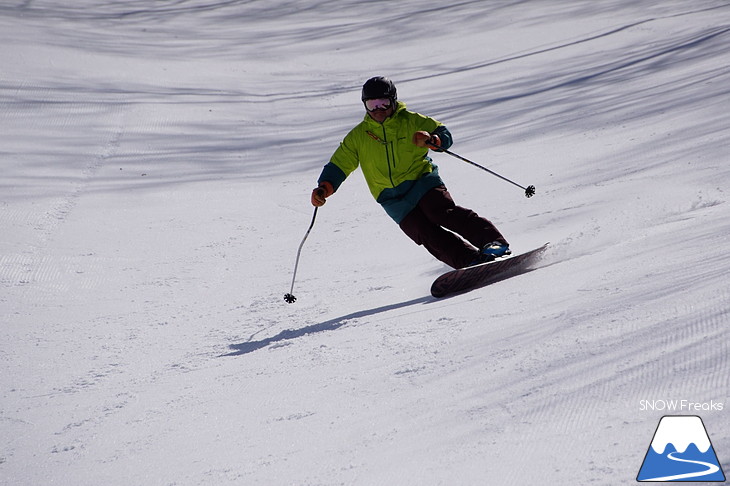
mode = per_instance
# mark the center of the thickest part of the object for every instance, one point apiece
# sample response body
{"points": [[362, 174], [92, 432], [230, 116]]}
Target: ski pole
{"points": [[529, 190], [289, 298]]}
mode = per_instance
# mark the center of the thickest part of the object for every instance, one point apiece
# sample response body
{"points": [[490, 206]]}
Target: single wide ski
{"points": [[480, 275]]}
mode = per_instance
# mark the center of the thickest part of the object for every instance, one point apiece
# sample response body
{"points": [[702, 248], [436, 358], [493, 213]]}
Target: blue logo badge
{"points": [[681, 451]]}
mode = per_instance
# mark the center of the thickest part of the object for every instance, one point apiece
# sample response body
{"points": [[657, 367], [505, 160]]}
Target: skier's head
{"points": [[379, 96], [379, 87]]}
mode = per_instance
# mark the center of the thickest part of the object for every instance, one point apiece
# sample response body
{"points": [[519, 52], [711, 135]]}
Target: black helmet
{"points": [[379, 87]]}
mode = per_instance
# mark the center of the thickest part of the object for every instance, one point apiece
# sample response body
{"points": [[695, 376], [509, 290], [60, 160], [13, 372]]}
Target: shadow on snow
{"points": [[330, 325]]}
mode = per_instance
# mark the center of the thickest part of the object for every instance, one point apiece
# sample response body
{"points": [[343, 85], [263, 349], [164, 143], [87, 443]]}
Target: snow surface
{"points": [[157, 160]]}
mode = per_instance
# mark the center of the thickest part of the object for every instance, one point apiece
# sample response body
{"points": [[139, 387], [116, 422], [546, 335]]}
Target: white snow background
{"points": [[156, 164]]}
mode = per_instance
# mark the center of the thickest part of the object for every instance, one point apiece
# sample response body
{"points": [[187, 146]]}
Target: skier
{"points": [[391, 146]]}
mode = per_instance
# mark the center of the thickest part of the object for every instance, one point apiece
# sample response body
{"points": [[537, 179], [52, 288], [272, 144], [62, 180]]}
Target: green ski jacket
{"points": [[398, 172]]}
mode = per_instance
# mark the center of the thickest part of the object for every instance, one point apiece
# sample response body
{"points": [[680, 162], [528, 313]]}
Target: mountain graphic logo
{"points": [[681, 451]]}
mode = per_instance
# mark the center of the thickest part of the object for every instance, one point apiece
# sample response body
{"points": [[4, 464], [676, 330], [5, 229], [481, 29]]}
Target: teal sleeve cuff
{"points": [[332, 174], [445, 135]]}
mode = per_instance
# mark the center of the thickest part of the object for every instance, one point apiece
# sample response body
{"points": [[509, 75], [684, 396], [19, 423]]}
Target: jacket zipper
{"points": [[388, 156], [383, 141]]}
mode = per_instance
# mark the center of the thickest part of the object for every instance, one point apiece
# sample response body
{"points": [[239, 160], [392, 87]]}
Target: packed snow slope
{"points": [[156, 163]]}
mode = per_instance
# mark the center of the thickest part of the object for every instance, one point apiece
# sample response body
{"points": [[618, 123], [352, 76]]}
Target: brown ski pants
{"points": [[451, 233]]}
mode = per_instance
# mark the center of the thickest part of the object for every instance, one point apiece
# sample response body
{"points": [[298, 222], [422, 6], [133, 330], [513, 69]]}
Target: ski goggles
{"points": [[378, 104]]}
